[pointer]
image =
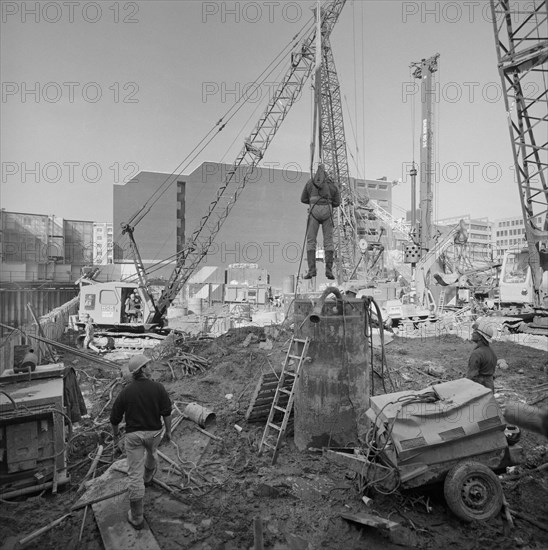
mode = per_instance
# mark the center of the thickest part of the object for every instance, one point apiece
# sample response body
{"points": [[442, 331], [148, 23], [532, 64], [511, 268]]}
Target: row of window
{"points": [[508, 242], [506, 232], [381, 186]]}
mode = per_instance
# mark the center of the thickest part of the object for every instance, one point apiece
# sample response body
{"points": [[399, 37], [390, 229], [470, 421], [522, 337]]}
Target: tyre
{"points": [[473, 492]]}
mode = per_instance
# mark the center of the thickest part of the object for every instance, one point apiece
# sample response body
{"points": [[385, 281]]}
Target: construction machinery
{"points": [[104, 302], [522, 52]]}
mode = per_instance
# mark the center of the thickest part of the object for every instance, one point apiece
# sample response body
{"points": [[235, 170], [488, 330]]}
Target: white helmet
{"points": [[137, 362]]}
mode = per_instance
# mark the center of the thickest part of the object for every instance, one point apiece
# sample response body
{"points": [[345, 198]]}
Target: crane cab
{"points": [[107, 304]]}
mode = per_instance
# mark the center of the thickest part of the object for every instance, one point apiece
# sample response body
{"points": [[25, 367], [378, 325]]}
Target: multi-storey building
{"points": [[508, 233], [39, 247], [480, 244], [265, 227], [103, 243]]}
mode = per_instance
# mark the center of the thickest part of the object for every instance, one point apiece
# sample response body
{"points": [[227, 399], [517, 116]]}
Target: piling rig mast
{"points": [[522, 50], [336, 163]]}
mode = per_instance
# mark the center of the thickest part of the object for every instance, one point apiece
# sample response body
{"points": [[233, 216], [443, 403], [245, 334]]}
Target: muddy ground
{"points": [[301, 498]]}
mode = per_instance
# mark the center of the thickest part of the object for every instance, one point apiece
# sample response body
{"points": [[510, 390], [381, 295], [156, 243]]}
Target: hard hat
{"points": [[136, 362], [484, 329]]}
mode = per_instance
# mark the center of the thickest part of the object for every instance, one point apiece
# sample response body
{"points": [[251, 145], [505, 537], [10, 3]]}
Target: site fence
{"points": [[52, 326]]}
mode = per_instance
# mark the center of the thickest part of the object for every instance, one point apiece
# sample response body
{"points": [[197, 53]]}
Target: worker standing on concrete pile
{"points": [[143, 403], [482, 361], [322, 194]]}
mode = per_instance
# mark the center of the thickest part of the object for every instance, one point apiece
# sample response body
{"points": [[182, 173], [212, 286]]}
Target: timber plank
{"points": [[116, 532]]}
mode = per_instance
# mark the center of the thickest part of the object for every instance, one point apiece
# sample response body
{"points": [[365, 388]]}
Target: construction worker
{"points": [[322, 194], [482, 361], [90, 331], [133, 307], [143, 403]]}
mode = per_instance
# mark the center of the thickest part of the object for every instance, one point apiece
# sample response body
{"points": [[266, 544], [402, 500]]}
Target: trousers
{"points": [[320, 214], [141, 450]]}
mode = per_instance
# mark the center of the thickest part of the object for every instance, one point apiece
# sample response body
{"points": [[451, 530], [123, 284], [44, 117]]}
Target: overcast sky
{"points": [[93, 92]]}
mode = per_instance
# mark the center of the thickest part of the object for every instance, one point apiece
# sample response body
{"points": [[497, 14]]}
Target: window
{"points": [[371, 186], [108, 297], [383, 186], [89, 301], [360, 184]]}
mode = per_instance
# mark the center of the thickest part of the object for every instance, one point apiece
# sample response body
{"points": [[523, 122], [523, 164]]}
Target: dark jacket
{"points": [[143, 402], [482, 365], [321, 190]]}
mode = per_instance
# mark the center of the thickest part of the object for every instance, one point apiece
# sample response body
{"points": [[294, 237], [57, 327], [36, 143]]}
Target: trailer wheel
{"points": [[473, 492]]}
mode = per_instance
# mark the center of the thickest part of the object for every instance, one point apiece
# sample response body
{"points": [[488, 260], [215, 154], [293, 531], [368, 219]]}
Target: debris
{"points": [[267, 345], [393, 530], [42, 530], [238, 428], [528, 518], [366, 500], [250, 338], [507, 513], [258, 533], [91, 468], [502, 364]]}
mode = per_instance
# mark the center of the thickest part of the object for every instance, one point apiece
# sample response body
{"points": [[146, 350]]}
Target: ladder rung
{"points": [[303, 340], [275, 426], [280, 408], [295, 356], [282, 390], [265, 444], [290, 373]]}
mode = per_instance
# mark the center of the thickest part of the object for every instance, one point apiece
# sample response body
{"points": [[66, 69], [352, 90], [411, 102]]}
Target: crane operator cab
{"points": [[112, 304]]}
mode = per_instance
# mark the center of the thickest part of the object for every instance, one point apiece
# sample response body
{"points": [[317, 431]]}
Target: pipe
{"points": [[316, 312], [526, 417]]}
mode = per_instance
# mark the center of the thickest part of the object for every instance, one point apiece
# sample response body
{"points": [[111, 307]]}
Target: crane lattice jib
{"points": [[522, 49], [289, 90], [335, 160]]}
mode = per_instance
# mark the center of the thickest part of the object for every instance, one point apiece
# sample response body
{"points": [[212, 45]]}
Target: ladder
{"points": [[441, 301], [285, 391]]}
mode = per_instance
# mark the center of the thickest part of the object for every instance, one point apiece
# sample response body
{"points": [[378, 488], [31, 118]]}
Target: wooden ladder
{"points": [[284, 389]]}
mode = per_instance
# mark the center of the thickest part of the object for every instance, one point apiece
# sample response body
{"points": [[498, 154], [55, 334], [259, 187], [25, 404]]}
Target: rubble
{"points": [[210, 489]]}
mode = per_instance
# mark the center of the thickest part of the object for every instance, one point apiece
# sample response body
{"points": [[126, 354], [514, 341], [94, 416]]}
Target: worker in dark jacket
{"points": [[144, 403], [323, 195], [482, 361]]}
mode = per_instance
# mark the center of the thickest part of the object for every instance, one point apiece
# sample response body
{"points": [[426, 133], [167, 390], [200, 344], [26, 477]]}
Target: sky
{"points": [[94, 92]]}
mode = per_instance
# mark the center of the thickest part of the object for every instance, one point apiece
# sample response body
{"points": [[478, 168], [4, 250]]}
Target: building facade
{"points": [[103, 244], [266, 226], [38, 247], [508, 233], [480, 243]]}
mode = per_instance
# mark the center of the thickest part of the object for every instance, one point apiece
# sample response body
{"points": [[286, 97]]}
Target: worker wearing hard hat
{"points": [[323, 195], [143, 403], [482, 361]]}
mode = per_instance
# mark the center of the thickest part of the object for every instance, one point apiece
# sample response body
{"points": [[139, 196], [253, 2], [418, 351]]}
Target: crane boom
{"points": [[289, 90], [522, 52]]}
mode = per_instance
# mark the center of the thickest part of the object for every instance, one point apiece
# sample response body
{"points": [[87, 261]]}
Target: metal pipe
{"points": [[316, 312], [74, 351]]}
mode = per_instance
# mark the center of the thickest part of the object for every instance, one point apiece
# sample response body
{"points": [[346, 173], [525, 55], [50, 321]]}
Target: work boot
{"points": [[329, 264], [311, 260], [149, 475], [135, 514]]}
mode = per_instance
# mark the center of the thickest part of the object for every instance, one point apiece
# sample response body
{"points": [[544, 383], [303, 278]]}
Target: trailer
{"points": [[453, 432]]}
